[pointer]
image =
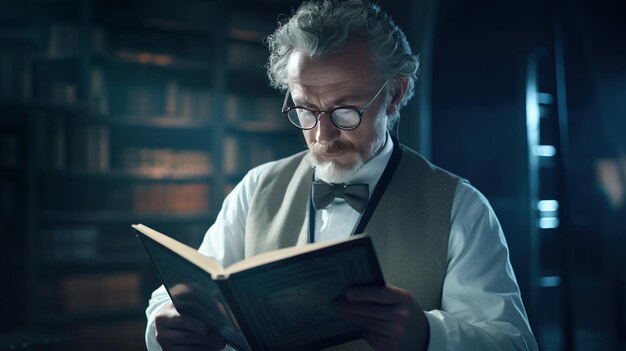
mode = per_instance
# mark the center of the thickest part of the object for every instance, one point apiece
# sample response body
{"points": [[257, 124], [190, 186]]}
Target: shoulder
{"points": [[255, 179], [427, 177], [472, 212], [267, 171], [415, 159], [468, 198]]}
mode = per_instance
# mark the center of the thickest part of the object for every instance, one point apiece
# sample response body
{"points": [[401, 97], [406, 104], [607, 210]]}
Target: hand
{"points": [[390, 318], [176, 332]]}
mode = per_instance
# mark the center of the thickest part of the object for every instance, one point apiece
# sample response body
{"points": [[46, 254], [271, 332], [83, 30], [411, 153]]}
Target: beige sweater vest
{"points": [[409, 228]]}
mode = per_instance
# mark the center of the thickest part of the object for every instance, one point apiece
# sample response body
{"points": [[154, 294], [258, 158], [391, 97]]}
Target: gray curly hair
{"points": [[318, 27]]}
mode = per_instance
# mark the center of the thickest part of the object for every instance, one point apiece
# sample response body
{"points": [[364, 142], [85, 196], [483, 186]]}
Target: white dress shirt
{"points": [[481, 307]]}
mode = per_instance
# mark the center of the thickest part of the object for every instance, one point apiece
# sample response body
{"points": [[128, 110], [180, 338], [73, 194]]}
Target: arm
{"points": [[224, 242], [481, 306]]}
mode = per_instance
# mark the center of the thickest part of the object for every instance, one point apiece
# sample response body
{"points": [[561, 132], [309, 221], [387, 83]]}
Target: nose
{"points": [[326, 132]]}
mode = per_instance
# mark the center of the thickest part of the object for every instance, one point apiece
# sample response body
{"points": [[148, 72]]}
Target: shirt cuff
{"points": [[437, 339], [151, 343]]}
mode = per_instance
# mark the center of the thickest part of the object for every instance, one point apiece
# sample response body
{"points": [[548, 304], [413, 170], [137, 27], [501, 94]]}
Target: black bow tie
{"points": [[356, 195]]}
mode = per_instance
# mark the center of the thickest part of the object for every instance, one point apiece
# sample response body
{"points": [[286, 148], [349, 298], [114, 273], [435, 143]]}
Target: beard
{"points": [[331, 171]]}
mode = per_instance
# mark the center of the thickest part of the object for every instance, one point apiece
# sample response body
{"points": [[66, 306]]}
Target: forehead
{"points": [[350, 68]]}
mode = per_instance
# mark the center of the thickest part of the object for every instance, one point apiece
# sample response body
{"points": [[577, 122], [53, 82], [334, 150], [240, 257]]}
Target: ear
{"points": [[399, 88]]}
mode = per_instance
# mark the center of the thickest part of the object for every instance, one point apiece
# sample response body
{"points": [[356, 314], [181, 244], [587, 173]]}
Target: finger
{"points": [[193, 324], [380, 342], [378, 294], [373, 310], [384, 328], [184, 337], [210, 344], [192, 348], [174, 320]]}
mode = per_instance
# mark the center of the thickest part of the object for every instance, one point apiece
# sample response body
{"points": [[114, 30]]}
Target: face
{"points": [[344, 77]]}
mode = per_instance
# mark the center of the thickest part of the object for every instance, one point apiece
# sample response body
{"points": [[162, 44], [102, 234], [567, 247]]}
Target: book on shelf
{"points": [[99, 99], [192, 13], [100, 292], [171, 198], [10, 149], [231, 155], [243, 153], [62, 92], [165, 161], [280, 300], [16, 77], [57, 147], [185, 102], [8, 197], [241, 108], [250, 26], [78, 146], [160, 99], [99, 39], [73, 243], [97, 148], [245, 54], [64, 38], [228, 188], [128, 334]]}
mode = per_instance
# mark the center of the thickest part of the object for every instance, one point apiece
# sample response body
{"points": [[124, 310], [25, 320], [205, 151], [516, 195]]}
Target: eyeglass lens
{"points": [[342, 117]]}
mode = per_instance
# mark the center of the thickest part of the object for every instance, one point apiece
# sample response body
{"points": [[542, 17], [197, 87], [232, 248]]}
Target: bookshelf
{"points": [[116, 113]]}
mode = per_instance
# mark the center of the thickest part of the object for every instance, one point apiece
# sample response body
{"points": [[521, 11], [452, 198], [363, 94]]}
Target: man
{"points": [[346, 70]]}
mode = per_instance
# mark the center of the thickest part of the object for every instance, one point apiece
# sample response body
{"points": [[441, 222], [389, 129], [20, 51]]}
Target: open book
{"points": [[280, 300]]}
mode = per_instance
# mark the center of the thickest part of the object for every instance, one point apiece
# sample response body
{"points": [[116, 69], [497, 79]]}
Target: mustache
{"points": [[333, 148]]}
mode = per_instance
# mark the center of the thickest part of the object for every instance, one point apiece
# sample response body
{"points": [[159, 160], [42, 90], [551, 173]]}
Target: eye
{"points": [[346, 117], [304, 113], [302, 118]]}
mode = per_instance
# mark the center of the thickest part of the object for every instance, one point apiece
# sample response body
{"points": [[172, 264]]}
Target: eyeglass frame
{"points": [[285, 110]]}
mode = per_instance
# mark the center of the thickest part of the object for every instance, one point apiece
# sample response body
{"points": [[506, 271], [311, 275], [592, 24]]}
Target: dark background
{"points": [[105, 104]]}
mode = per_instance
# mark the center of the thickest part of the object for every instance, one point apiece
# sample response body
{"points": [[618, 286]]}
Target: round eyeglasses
{"points": [[343, 117]]}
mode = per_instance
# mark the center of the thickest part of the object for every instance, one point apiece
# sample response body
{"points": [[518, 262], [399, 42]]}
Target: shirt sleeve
{"points": [[481, 307], [224, 242]]}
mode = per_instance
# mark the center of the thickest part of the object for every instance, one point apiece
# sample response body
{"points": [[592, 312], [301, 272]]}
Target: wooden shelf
{"points": [[42, 106], [247, 36], [34, 340], [128, 121], [269, 7], [13, 106], [156, 175], [122, 216], [126, 91], [235, 177], [99, 262], [68, 57], [154, 60], [153, 24], [262, 127], [256, 82], [11, 171], [257, 73], [165, 122], [12, 218], [95, 316]]}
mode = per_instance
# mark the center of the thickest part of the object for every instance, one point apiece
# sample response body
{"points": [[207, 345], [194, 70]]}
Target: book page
{"points": [[191, 254], [194, 292], [281, 254], [287, 303]]}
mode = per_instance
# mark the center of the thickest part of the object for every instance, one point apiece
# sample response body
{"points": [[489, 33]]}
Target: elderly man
{"points": [[347, 70]]}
